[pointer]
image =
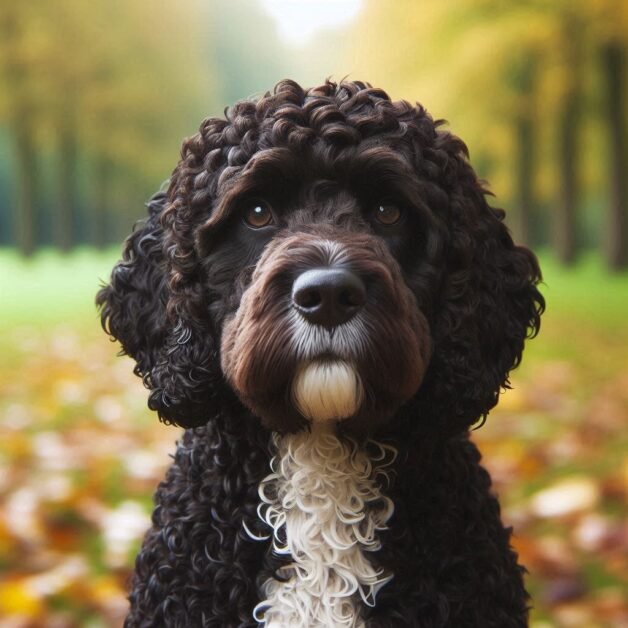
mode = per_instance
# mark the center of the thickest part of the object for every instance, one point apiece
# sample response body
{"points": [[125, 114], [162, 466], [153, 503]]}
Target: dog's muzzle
{"points": [[326, 330], [327, 389]]}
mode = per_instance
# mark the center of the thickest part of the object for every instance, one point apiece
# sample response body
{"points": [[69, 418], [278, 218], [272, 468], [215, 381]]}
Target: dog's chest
{"points": [[325, 507]]}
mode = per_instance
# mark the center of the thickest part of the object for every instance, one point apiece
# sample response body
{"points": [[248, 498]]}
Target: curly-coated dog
{"points": [[324, 298]]}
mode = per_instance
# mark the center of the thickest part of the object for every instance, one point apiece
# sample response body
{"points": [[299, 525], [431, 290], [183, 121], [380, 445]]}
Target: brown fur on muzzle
{"points": [[265, 342]]}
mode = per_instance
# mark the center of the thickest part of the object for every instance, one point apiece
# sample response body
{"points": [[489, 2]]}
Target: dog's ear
{"points": [[132, 306], [134, 309], [488, 304]]}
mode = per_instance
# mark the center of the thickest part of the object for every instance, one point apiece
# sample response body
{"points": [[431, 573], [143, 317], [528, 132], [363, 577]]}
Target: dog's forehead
{"points": [[312, 173], [323, 202], [319, 160]]}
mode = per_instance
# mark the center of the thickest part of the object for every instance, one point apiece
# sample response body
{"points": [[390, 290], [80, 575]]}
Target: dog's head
{"points": [[326, 254]]}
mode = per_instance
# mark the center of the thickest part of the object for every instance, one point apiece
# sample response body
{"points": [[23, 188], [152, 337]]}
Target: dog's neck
{"points": [[324, 505]]}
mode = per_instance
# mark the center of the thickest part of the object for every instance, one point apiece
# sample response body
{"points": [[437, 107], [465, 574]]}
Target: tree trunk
{"points": [[565, 224], [566, 210], [26, 176], [67, 157], [616, 240], [102, 219], [524, 130], [20, 116]]}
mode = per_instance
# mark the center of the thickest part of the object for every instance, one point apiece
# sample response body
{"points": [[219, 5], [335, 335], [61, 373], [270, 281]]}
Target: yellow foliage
{"points": [[18, 599], [482, 63], [128, 74], [105, 589], [6, 538], [513, 400]]}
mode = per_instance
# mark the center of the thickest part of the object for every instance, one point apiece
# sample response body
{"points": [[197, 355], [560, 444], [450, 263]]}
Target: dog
{"points": [[326, 302]]}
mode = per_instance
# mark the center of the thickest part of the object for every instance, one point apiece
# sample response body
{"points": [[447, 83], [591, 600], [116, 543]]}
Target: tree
{"points": [[77, 85], [19, 55], [568, 118], [616, 240]]}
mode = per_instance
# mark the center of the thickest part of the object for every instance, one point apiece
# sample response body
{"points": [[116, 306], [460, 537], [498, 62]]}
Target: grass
{"points": [[51, 288], [584, 324], [587, 292], [585, 318]]}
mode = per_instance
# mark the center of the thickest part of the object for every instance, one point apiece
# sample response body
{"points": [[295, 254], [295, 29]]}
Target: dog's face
{"points": [[316, 318], [329, 255]]}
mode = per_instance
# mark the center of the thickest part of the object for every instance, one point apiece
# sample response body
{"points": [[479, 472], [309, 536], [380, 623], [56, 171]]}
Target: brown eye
{"points": [[387, 214], [258, 216]]}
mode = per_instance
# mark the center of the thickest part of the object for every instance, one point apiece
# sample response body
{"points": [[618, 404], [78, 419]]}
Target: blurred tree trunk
{"points": [[20, 125], [103, 181], [26, 180], [565, 224], [524, 129], [616, 240], [67, 161], [564, 230]]}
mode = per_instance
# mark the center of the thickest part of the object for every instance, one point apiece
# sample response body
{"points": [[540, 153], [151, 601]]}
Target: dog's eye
{"points": [[387, 214], [258, 216]]}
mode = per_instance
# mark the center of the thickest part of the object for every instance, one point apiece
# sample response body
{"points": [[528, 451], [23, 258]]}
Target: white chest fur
{"points": [[324, 504]]}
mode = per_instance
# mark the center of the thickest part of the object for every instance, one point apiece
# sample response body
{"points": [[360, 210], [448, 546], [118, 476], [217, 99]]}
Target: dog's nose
{"points": [[328, 296]]}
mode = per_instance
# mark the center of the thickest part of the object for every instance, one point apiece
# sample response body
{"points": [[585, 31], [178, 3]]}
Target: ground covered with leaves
{"points": [[80, 455]]}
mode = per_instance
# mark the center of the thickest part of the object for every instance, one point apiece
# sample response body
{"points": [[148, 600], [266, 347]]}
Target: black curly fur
{"points": [[170, 295]]}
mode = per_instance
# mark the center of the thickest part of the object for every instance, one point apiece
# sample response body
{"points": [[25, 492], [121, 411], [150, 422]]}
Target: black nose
{"points": [[328, 296]]}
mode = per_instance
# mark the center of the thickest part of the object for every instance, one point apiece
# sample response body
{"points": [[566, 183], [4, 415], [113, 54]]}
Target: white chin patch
{"points": [[327, 390]]}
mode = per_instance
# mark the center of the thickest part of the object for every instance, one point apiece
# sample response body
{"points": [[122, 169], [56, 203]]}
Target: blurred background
{"points": [[95, 99]]}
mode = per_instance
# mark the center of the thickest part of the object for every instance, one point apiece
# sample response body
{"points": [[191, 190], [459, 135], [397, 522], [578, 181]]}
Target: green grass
{"points": [[586, 291], [585, 322], [51, 288], [54, 288]]}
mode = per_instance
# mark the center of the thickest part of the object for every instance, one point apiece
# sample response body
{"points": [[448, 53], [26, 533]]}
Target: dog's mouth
{"points": [[327, 389]]}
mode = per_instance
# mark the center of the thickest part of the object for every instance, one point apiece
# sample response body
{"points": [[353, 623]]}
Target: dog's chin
{"points": [[327, 390]]}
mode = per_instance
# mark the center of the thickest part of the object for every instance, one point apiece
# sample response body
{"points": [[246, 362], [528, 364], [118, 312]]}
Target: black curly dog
{"points": [[324, 285]]}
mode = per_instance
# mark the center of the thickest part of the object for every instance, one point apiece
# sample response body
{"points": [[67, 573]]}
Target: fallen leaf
{"points": [[569, 496]]}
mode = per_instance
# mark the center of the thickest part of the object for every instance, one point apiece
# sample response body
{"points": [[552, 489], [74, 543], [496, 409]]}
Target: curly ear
{"points": [[489, 302], [133, 305], [134, 311]]}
